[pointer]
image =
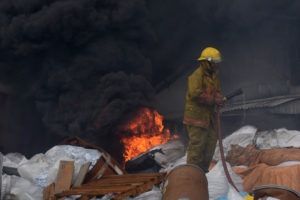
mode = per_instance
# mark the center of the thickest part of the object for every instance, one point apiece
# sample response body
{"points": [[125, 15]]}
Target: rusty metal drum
{"points": [[186, 182], [276, 191]]}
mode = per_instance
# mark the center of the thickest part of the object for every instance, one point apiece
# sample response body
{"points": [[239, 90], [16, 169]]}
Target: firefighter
{"points": [[202, 97]]}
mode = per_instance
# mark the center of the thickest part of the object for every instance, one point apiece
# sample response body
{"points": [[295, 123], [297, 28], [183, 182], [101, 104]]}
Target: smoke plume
{"points": [[85, 63], [67, 55]]}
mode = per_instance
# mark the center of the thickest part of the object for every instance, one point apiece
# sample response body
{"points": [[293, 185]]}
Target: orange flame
{"points": [[148, 131]]}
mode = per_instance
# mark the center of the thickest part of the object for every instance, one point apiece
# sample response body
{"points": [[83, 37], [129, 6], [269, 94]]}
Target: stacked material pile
{"points": [[267, 159], [69, 171], [78, 170]]}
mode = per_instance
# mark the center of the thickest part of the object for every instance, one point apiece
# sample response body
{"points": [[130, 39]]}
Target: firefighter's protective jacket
{"points": [[203, 88]]}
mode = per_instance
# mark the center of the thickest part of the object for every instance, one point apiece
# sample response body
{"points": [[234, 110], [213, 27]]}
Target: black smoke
{"points": [[53, 38], [85, 63], [258, 39], [98, 107]]}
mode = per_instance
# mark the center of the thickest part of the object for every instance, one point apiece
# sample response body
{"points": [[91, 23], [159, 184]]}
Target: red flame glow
{"points": [[148, 131]]}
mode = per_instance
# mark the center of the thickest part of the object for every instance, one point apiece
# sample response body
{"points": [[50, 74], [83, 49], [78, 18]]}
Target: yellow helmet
{"points": [[211, 54]]}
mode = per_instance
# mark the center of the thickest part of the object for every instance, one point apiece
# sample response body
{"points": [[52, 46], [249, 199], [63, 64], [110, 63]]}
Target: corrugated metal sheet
{"points": [[292, 108], [280, 104]]}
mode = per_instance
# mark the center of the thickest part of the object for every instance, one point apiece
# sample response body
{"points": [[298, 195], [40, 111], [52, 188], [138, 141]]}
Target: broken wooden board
{"points": [[99, 169], [114, 165], [93, 191], [64, 176], [138, 189], [121, 185], [124, 179], [81, 175], [48, 193]]}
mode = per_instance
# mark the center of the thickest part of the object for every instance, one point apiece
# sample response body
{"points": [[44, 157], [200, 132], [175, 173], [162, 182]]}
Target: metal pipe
{"points": [[186, 182]]}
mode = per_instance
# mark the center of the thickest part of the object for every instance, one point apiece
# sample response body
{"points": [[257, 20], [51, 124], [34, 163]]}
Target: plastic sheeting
{"points": [[42, 169], [277, 138], [263, 174], [14, 160], [288, 163], [172, 165], [14, 187], [171, 152]]}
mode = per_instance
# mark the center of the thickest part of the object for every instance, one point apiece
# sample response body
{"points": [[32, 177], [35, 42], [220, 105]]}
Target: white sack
{"points": [[172, 165], [14, 160], [233, 194], [171, 151], [154, 194], [20, 188], [42, 169], [217, 182], [288, 163], [242, 137], [277, 138]]}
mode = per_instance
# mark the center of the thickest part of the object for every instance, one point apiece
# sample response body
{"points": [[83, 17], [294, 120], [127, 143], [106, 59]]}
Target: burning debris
{"points": [[157, 159], [144, 131]]}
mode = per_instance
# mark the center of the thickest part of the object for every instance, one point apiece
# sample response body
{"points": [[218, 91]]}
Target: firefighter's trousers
{"points": [[201, 146]]}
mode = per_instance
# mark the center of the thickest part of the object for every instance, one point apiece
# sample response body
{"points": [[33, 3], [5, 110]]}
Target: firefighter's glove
{"points": [[212, 97], [220, 100], [207, 99]]}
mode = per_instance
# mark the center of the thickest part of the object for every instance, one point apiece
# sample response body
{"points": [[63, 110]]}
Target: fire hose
{"points": [[237, 92]]}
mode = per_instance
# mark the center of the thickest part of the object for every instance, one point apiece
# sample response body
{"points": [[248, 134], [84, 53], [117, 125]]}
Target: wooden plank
{"points": [[110, 161], [132, 176], [99, 169], [107, 185], [48, 192], [116, 184], [1, 167], [134, 191], [115, 167], [64, 176], [81, 175], [147, 186], [124, 179], [93, 191]]}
